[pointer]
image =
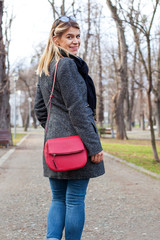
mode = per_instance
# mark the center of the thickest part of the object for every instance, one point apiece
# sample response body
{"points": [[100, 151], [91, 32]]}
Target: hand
{"points": [[97, 157]]}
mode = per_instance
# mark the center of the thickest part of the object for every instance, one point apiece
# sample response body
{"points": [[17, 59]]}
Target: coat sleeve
{"points": [[68, 77], [40, 108]]}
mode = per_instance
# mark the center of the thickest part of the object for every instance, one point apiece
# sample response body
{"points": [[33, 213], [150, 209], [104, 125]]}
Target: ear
{"points": [[55, 40]]}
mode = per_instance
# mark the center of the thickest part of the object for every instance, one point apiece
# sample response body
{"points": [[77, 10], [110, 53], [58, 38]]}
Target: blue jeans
{"points": [[67, 209]]}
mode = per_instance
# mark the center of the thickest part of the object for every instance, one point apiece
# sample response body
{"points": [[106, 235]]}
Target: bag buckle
{"points": [[54, 161]]}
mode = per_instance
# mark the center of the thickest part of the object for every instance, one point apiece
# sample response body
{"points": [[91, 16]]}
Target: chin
{"points": [[74, 53]]}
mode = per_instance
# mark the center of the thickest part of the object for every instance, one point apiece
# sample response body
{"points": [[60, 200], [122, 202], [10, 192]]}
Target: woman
{"points": [[72, 113]]}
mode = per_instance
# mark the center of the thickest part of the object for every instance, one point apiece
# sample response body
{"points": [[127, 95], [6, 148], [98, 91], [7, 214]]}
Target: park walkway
{"points": [[124, 204]]}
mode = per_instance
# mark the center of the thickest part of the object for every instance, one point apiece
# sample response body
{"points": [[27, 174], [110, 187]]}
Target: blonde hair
{"points": [[52, 50]]}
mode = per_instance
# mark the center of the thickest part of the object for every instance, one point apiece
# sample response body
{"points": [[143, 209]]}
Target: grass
{"points": [[19, 136], [138, 152]]}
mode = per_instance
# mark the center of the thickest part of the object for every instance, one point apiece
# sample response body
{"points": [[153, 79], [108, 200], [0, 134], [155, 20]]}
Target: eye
{"points": [[69, 37], [78, 36]]}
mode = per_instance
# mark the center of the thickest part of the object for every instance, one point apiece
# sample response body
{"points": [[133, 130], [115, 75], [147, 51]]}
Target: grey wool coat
{"points": [[70, 115]]}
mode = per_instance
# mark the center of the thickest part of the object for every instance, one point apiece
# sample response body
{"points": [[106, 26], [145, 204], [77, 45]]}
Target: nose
{"points": [[75, 40]]}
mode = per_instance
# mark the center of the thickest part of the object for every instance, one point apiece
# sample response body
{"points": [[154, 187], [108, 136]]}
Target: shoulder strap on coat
{"points": [[50, 97]]}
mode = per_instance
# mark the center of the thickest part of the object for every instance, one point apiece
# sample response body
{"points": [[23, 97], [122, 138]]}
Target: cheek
{"points": [[66, 43], [63, 43]]}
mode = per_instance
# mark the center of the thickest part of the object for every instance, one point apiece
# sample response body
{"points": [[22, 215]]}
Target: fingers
{"points": [[97, 157]]}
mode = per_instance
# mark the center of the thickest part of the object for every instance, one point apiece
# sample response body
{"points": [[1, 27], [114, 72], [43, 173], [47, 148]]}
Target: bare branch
{"points": [[153, 15], [140, 85], [63, 8], [137, 40], [88, 30], [54, 9]]}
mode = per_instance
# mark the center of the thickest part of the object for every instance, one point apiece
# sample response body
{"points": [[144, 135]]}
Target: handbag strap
{"points": [[50, 97]]}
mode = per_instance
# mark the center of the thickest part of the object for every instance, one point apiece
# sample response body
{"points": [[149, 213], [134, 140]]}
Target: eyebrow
{"points": [[72, 34]]}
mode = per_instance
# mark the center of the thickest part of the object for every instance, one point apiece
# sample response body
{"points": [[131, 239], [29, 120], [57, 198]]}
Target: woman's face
{"points": [[70, 40]]}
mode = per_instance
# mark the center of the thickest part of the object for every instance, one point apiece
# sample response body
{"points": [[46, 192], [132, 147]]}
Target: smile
{"points": [[74, 48]]}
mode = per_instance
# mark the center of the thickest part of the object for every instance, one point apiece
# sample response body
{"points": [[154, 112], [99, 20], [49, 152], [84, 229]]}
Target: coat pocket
{"points": [[94, 127]]}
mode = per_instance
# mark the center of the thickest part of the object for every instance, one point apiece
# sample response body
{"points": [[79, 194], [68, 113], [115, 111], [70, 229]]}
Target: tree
{"points": [[88, 33], [140, 27], [122, 74], [141, 96], [62, 10], [4, 82], [27, 84], [130, 94], [157, 91], [99, 58]]}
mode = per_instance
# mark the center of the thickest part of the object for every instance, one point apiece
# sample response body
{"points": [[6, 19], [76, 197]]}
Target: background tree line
{"points": [[122, 49]]}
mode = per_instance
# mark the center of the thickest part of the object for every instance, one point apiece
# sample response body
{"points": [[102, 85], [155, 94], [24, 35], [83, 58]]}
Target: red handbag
{"points": [[65, 153]]}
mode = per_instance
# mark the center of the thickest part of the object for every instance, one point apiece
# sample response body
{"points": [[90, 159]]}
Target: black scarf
{"points": [[83, 70]]}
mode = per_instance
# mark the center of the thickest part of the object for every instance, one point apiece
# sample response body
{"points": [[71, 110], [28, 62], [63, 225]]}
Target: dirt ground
{"points": [[123, 204]]}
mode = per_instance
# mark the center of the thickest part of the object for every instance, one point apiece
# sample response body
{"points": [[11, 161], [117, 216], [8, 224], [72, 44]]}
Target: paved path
{"points": [[124, 204]]}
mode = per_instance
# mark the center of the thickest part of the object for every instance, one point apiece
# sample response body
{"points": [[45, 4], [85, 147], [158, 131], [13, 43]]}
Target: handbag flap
{"points": [[65, 145]]}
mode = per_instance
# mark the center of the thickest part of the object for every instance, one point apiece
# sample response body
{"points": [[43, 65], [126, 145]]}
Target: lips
{"points": [[74, 48]]}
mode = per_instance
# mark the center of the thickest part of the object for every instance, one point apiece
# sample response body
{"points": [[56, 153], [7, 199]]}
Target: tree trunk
{"points": [[157, 93], [26, 124], [142, 121], [158, 116], [141, 98], [149, 101], [142, 118], [132, 95], [153, 142], [122, 73], [119, 115], [4, 84], [101, 102], [34, 118], [128, 112], [88, 32]]}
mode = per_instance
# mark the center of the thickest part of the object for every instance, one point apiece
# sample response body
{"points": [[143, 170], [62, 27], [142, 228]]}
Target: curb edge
{"points": [[141, 169], [8, 153]]}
